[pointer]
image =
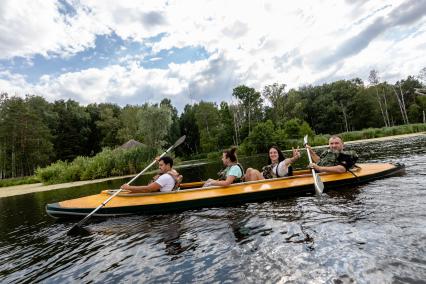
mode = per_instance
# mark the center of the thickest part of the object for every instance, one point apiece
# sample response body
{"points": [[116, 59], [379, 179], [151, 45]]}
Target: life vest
{"points": [[347, 159], [344, 158], [222, 174], [268, 171], [175, 175]]}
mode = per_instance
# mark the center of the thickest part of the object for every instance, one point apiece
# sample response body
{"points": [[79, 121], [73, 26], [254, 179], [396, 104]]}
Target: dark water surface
{"points": [[374, 233]]}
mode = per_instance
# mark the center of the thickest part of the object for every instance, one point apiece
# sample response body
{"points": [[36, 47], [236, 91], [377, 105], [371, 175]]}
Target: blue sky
{"points": [[132, 52]]}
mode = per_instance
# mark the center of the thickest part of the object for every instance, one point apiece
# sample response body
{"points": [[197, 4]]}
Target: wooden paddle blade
{"points": [[305, 140]]}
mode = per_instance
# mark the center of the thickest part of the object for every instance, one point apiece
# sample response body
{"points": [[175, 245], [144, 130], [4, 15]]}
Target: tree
{"points": [[260, 139], [188, 126], [154, 124], [276, 95], [73, 130], [129, 125], [226, 130], [207, 119], [109, 124], [251, 102], [296, 129], [25, 140], [373, 78], [343, 92], [174, 131]]}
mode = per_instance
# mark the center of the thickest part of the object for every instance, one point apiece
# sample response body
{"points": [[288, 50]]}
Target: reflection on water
{"points": [[374, 233]]}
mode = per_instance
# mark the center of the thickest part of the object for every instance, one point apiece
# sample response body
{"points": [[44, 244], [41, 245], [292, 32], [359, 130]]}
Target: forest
{"points": [[35, 133]]}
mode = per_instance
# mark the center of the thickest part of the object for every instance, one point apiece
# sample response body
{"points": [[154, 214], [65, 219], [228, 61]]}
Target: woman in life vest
{"points": [[232, 173], [277, 166]]}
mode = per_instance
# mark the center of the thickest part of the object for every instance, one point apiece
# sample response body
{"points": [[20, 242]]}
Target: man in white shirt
{"points": [[165, 182]]}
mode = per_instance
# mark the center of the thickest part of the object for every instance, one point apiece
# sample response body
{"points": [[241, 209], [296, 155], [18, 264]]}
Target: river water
{"points": [[374, 233]]}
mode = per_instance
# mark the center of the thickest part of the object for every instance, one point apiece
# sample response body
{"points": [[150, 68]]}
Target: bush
{"points": [[105, 164], [51, 174]]}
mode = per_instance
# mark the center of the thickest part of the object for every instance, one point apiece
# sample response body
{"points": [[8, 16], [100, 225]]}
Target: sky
{"points": [[133, 52]]}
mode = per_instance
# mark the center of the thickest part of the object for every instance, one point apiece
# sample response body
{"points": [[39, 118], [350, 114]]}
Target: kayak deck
{"points": [[193, 195]]}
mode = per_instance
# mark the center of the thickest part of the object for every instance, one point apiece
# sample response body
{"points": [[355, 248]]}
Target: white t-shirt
{"points": [[166, 182], [282, 169]]}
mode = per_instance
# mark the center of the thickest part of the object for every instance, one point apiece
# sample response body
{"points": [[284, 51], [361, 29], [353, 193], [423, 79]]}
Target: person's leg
{"points": [[253, 174]]}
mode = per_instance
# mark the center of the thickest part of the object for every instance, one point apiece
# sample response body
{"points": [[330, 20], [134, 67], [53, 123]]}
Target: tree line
{"points": [[35, 132]]}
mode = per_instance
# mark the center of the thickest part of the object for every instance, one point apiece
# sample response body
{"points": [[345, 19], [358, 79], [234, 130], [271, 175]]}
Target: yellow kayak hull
{"points": [[192, 195]]}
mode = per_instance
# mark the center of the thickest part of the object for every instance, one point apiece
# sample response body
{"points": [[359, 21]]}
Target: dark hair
{"points": [[167, 160], [230, 153], [280, 155]]}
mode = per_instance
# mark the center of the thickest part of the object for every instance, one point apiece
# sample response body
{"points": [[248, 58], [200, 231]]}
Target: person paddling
{"points": [[164, 182], [334, 159]]}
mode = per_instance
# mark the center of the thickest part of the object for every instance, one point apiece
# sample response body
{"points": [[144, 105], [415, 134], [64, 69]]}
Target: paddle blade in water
{"points": [[319, 185], [78, 231]]}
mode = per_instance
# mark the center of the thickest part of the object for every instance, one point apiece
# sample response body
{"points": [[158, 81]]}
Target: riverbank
{"points": [[38, 187]]}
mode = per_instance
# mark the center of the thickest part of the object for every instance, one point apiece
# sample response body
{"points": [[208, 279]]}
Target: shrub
{"points": [[106, 163]]}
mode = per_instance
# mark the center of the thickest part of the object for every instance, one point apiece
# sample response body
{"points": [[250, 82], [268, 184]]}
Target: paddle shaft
{"points": [[82, 221], [317, 180]]}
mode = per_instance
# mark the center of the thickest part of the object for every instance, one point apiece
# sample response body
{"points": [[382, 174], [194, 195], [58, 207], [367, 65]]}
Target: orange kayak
{"points": [[193, 195]]}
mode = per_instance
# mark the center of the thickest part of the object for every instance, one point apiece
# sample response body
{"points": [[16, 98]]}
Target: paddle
{"points": [[319, 186], [77, 228]]}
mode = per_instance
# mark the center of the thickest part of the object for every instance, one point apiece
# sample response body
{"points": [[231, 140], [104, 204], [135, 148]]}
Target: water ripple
{"points": [[374, 233]]}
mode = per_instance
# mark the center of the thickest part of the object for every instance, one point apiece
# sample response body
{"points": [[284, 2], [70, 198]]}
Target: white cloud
{"points": [[133, 84], [248, 42], [30, 27]]}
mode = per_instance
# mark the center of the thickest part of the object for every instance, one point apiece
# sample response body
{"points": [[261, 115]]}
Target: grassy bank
{"points": [[18, 181], [370, 133]]}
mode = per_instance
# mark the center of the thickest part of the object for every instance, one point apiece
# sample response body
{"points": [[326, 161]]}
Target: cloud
{"points": [[38, 27], [404, 14], [132, 84], [254, 43]]}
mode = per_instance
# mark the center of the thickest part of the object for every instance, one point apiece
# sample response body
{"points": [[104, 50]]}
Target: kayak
{"points": [[193, 195]]}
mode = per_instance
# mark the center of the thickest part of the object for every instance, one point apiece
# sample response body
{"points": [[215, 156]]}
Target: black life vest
{"points": [[347, 159], [268, 172]]}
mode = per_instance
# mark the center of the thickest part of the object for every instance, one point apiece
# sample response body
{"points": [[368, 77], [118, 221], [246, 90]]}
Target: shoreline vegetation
{"points": [[359, 137]]}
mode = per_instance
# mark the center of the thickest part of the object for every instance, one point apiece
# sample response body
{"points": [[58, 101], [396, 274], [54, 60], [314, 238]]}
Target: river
{"points": [[374, 233]]}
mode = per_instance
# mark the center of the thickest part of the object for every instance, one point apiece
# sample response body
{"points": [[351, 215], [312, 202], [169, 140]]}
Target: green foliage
{"points": [[296, 128], [53, 173], [105, 164], [71, 135], [251, 103], [215, 156], [382, 132], [207, 119], [35, 133], [25, 139], [18, 181], [189, 127], [109, 124], [260, 138], [129, 126], [154, 124]]}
